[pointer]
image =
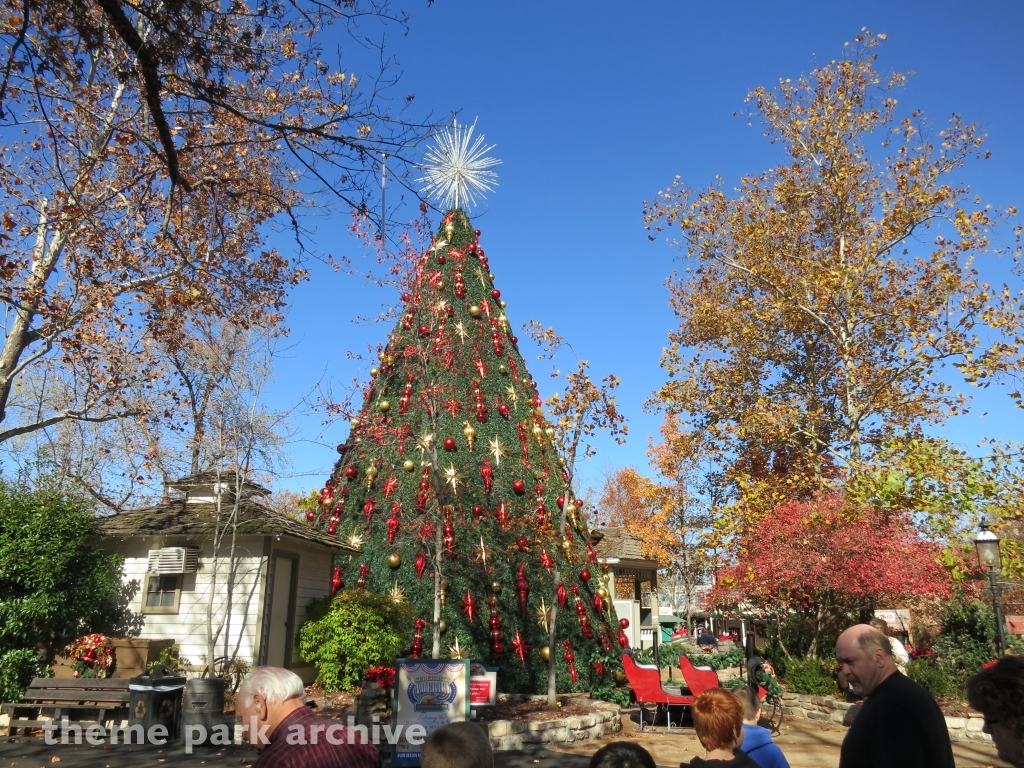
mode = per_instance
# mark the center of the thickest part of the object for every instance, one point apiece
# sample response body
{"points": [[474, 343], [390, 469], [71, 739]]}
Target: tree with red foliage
{"points": [[827, 561]]}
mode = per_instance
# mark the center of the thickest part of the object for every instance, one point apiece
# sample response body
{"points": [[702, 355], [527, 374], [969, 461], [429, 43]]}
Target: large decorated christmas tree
{"points": [[451, 480]]}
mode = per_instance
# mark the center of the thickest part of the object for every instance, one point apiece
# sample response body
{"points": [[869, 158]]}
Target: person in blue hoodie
{"points": [[757, 741]]}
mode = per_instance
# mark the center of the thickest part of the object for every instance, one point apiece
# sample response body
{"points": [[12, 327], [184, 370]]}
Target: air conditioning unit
{"points": [[174, 560]]}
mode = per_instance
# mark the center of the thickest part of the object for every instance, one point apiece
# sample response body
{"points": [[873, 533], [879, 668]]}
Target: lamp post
{"points": [[987, 544]]}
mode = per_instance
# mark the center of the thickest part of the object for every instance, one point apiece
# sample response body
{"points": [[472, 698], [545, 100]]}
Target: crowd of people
{"points": [[899, 724]]}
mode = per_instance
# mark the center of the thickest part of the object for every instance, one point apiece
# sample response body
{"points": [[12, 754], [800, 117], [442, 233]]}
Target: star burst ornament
{"points": [[397, 594], [497, 450], [455, 651], [453, 477], [455, 171]]}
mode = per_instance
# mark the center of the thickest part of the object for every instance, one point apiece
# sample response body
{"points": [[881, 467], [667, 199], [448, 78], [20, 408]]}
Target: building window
{"points": [[163, 593]]}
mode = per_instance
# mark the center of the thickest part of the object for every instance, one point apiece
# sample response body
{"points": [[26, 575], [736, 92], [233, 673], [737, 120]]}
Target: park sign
{"points": [[483, 685], [897, 619], [430, 693], [1015, 625]]}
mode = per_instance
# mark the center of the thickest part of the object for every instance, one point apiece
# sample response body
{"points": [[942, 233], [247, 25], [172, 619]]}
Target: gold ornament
{"points": [[453, 477], [470, 434], [444, 583], [449, 229], [374, 371], [620, 677], [397, 594], [496, 587], [537, 431], [502, 369], [550, 433], [602, 593], [491, 275], [545, 652], [408, 465], [394, 560], [503, 319], [566, 546], [454, 651], [354, 422], [474, 310], [371, 475], [497, 450], [503, 304], [384, 406], [442, 626], [390, 359], [544, 615]]}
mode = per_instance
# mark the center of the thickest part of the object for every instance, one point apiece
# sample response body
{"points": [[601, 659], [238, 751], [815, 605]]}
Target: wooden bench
{"points": [[82, 701]]}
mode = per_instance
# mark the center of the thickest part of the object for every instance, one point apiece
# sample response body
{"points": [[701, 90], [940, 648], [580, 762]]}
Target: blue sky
{"points": [[596, 106]]}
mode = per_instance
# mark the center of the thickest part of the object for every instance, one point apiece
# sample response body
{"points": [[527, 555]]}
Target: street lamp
{"points": [[987, 544]]}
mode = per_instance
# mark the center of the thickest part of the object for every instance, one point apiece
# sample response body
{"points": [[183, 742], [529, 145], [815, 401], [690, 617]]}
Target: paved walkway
{"points": [[806, 745]]}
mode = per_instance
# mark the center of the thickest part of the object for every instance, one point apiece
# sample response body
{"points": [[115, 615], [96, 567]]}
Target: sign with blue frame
{"points": [[430, 693]]}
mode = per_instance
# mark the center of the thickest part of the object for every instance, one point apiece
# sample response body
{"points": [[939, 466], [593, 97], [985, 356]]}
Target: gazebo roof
{"points": [[620, 548]]}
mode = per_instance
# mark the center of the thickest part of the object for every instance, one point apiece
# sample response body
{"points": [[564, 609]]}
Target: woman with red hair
{"points": [[718, 718]]}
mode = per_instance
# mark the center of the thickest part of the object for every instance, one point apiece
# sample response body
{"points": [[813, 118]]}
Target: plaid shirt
{"points": [[322, 754]]}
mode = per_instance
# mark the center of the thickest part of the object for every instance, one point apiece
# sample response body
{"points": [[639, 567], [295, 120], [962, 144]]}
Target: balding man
{"points": [[900, 725], [271, 705]]}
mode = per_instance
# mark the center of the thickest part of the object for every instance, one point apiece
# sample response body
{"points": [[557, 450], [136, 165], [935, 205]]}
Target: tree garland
{"points": [[91, 656]]}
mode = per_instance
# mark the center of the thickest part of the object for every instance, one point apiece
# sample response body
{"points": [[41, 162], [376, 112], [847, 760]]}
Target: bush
{"points": [[967, 640], [17, 668], [926, 673], [55, 585], [361, 630], [810, 675]]}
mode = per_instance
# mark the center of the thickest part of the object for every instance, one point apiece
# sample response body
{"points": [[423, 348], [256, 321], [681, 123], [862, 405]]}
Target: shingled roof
{"points": [[617, 542], [177, 517]]}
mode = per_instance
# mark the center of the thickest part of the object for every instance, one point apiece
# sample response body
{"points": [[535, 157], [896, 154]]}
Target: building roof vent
{"points": [[174, 560]]}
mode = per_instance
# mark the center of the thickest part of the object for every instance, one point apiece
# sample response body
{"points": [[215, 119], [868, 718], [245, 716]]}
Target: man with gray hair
{"points": [[900, 725], [271, 705]]}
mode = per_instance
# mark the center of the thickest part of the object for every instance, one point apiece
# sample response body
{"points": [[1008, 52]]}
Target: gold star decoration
{"points": [[512, 394], [423, 441], [397, 594], [455, 651], [484, 550], [452, 477], [544, 616], [461, 330], [480, 274], [497, 450], [438, 245], [355, 540], [441, 306]]}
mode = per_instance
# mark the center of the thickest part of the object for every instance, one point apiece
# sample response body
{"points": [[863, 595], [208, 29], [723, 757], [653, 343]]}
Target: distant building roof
{"points": [[179, 517], [206, 483], [618, 543]]}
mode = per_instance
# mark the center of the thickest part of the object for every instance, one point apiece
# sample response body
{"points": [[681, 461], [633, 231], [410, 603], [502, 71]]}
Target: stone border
{"points": [[514, 734], [828, 709]]}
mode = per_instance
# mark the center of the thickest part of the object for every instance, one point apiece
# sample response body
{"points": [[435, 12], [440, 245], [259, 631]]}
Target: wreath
{"points": [[764, 674], [91, 656]]}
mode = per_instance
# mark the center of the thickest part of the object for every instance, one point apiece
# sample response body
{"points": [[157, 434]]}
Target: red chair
{"points": [[645, 680], [697, 680]]}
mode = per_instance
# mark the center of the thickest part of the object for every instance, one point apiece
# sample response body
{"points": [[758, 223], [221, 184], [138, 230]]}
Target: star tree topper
{"points": [[455, 171]]}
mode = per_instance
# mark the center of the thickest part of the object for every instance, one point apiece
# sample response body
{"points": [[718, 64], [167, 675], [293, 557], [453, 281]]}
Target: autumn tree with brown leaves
{"points": [[149, 149], [823, 298]]}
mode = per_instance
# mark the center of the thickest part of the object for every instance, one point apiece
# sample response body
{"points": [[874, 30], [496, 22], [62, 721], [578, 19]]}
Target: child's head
{"points": [[622, 754], [750, 701], [718, 719]]}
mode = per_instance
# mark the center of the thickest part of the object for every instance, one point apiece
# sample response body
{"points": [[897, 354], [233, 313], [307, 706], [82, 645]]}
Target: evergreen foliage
{"points": [[453, 456]]}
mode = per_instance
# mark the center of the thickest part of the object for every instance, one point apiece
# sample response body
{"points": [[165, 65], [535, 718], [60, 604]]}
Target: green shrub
{"points": [[361, 630], [967, 640], [17, 668], [810, 675], [928, 674]]}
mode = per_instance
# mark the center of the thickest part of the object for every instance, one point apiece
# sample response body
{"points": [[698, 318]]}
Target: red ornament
{"points": [[495, 294], [364, 570], [560, 501], [440, 258], [599, 605], [522, 440], [332, 528], [368, 507], [311, 516], [523, 543], [562, 594], [570, 658], [591, 554], [487, 472], [406, 297], [623, 640], [351, 471], [504, 410], [599, 667], [624, 623], [341, 448], [449, 444], [503, 516], [389, 486], [420, 565], [519, 487], [522, 588], [335, 579], [585, 576], [478, 512], [470, 606], [393, 522], [546, 561], [520, 647], [424, 331]]}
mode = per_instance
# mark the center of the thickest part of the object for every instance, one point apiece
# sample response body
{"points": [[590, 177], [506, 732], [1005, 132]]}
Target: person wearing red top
{"points": [[271, 705]]}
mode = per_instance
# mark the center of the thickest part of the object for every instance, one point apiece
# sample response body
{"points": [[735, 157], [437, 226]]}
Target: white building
{"points": [[259, 590]]}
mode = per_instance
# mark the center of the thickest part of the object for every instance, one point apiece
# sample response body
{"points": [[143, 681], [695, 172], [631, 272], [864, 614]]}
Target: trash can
{"points": [[156, 700], [204, 705]]}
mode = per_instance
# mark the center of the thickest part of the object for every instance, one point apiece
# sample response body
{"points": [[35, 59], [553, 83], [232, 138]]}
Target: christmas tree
{"points": [[450, 479]]}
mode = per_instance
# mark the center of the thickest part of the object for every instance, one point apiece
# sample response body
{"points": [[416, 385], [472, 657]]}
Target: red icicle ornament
{"points": [[368, 507], [522, 588], [393, 522], [545, 559], [487, 473], [420, 565], [364, 570], [335, 579], [570, 657], [562, 594]]}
